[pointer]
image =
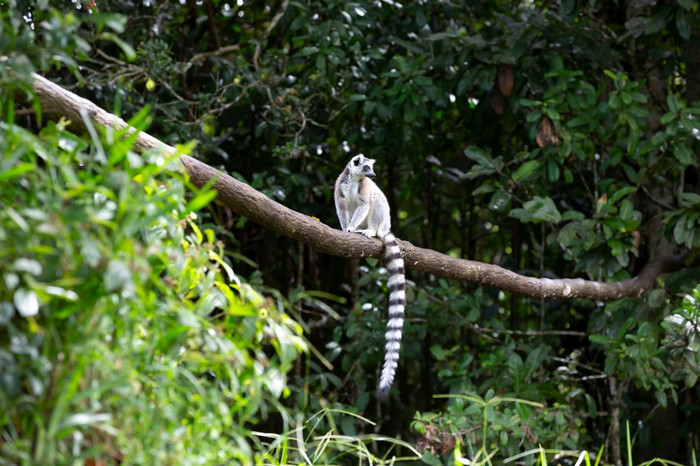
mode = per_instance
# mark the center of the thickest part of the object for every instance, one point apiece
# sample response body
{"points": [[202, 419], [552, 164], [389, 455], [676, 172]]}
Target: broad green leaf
{"points": [[438, 352], [680, 234], [526, 169], [539, 208], [431, 459], [499, 200], [626, 210], [601, 339], [478, 155], [689, 199], [658, 22], [684, 154], [672, 103], [621, 193], [666, 118], [306, 51], [683, 23], [530, 103]]}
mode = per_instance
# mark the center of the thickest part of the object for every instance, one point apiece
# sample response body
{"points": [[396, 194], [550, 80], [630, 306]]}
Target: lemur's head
{"points": [[360, 166]]}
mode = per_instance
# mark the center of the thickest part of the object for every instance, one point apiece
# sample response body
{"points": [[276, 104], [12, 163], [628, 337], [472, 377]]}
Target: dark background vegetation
{"points": [[556, 139]]}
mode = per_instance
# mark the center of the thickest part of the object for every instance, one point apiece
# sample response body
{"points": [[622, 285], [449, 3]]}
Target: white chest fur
{"points": [[350, 190]]}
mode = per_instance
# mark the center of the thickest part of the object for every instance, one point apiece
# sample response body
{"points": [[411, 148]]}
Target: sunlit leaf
{"points": [[26, 302]]}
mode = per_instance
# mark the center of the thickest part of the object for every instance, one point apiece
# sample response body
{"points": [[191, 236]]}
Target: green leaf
{"points": [[621, 193], [591, 406], [601, 339], [526, 169], [499, 200], [626, 210], [661, 398], [689, 199], [530, 103], [128, 50], [202, 199], [552, 171], [306, 51], [113, 21], [521, 214], [298, 22], [610, 74], [552, 114], [321, 62], [431, 459], [680, 234], [483, 189], [17, 170], [684, 155], [683, 24], [658, 22], [539, 208], [438, 352], [666, 118], [409, 112], [672, 103], [478, 155], [578, 121]]}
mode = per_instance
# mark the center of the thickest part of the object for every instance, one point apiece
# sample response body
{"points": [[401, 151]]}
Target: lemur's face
{"points": [[361, 166]]}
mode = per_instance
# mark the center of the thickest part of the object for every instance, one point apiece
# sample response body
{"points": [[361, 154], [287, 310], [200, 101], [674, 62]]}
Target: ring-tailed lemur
{"points": [[362, 207]]}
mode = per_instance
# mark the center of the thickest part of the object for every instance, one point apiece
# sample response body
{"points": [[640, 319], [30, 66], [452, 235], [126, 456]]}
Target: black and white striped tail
{"points": [[397, 304]]}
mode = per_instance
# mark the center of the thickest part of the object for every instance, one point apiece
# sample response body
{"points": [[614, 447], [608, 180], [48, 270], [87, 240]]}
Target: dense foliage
{"points": [[556, 139]]}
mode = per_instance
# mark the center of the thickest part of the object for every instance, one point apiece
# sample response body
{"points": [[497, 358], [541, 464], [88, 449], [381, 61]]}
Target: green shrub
{"points": [[123, 331]]}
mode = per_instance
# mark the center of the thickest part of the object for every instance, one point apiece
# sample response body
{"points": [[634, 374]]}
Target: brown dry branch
{"points": [[244, 200]]}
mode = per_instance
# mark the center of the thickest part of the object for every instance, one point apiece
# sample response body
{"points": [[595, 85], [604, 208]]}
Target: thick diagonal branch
{"points": [[262, 210]]}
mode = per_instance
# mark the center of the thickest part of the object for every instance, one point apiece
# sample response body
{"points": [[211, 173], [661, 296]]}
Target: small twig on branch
{"points": [[276, 19], [530, 333], [257, 207], [217, 52]]}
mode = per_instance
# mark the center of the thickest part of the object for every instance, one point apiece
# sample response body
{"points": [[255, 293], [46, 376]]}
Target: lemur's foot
{"points": [[368, 233]]}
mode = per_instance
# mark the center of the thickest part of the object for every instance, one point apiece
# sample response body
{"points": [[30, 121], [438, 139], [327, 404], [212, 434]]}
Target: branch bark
{"points": [[268, 213]]}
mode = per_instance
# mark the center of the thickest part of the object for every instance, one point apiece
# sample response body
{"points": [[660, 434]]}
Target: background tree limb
{"points": [[244, 200]]}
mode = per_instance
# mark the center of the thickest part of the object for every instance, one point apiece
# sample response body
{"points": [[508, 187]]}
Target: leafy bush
{"points": [[124, 331]]}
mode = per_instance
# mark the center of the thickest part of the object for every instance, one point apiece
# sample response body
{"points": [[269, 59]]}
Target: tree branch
{"points": [[268, 213]]}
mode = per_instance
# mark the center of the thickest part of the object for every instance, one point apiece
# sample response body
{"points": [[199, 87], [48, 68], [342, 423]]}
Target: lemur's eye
{"points": [[356, 161]]}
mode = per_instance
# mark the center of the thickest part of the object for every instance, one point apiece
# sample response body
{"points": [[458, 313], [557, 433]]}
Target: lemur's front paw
{"points": [[367, 233]]}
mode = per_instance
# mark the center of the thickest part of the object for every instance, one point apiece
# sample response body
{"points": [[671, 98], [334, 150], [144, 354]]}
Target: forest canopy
{"points": [[177, 293]]}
